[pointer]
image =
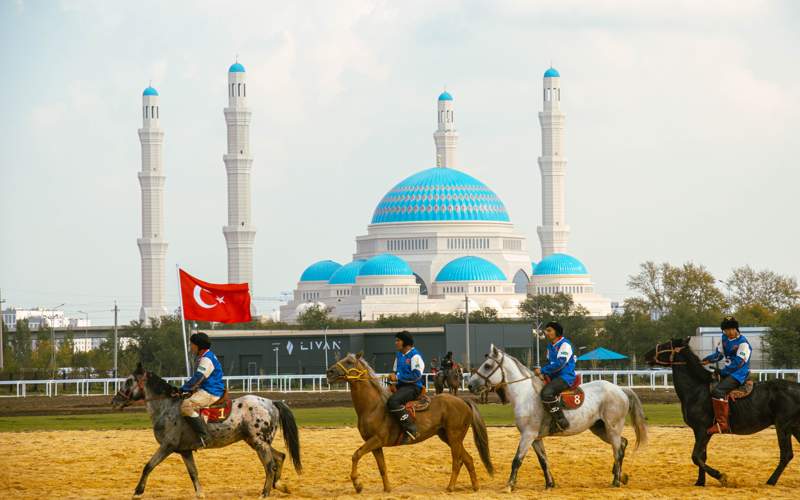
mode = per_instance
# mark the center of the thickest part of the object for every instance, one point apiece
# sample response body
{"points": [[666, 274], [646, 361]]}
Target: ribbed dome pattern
{"points": [[320, 271], [346, 275], [469, 268], [559, 263], [385, 264]]}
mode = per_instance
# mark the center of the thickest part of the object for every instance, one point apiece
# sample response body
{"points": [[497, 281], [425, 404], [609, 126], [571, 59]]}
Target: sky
{"points": [[681, 133]]}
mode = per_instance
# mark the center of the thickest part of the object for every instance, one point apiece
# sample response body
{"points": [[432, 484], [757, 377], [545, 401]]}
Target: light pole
{"points": [[466, 323], [2, 344], [53, 338], [276, 349], [86, 322]]}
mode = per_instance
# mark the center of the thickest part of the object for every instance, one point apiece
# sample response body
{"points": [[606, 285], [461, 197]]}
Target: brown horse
{"points": [[450, 378], [447, 417]]}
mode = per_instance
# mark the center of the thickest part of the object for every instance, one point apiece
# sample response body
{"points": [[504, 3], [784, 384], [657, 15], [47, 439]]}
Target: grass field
{"points": [[495, 415]]}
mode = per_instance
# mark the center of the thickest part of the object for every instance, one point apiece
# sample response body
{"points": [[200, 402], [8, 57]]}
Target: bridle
{"points": [[354, 373], [672, 352], [127, 396], [498, 365]]}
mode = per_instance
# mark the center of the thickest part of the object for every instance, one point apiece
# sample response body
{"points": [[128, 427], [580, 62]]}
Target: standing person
{"points": [[736, 352], [560, 368], [408, 367], [205, 387]]}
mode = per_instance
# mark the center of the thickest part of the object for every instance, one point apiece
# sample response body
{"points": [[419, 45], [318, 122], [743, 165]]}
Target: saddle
{"points": [[572, 398], [219, 411], [742, 391], [422, 403]]}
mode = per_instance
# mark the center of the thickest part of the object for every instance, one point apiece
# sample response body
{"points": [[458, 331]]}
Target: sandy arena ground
{"points": [[106, 464]]}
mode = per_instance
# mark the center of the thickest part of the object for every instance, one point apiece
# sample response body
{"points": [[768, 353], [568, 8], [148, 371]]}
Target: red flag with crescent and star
{"points": [[229, 303]]}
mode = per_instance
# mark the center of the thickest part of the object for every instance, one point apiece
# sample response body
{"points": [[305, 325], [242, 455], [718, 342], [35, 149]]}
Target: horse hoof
{"points": [[358, 486], [723, 480], [508, 489], [624, 478]]}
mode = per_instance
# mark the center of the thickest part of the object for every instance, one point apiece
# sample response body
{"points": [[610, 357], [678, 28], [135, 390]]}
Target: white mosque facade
{"points": [[441, 240]]}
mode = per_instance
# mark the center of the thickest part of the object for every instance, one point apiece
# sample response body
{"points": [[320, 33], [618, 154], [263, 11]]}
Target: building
{"points": [[37, 318], [442, 241]]}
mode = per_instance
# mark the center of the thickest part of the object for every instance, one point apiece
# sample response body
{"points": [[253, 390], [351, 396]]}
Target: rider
{"points": [[434, 365], [736, 351], [408, 366], [560, 368], [205, 386], [447, 362]]}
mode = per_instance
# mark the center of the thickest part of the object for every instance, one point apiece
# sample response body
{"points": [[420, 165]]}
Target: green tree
{"points": [[159, 346], [578, 326], [21, 345], [664, 287], [783, 339], [766, 289], [315, 316]]}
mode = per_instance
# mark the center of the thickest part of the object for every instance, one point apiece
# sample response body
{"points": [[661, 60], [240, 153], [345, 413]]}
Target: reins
{"points": [[672, 352], [503, 382], [348, 373]]}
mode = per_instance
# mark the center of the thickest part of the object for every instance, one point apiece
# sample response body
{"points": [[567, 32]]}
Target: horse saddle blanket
{"points": [[422, 403], [573, 398], [219, 411], [742, 391]]}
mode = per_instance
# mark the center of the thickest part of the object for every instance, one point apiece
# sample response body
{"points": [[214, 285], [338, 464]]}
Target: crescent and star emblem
{"points": [[199, 300]]}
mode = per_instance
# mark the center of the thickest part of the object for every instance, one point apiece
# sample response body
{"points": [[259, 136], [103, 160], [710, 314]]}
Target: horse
{"points": [[447, 417], [773, 402], [450, 378], [603, 412], [252, 419]]}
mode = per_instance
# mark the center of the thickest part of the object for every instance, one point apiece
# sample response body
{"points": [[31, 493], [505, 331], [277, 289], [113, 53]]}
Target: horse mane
{"points": [[375, 381], [694, 365], [159, 386]]}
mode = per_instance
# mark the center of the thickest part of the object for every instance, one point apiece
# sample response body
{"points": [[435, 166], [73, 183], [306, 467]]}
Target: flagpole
{"points": [[183, 322]]}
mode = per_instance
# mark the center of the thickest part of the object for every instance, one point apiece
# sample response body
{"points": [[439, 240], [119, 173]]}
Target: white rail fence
{"points": [[638, 379]]}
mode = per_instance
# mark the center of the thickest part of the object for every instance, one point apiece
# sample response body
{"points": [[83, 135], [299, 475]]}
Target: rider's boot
{"points": [[720, 424], [558, 422], [407, 426], [198, 425]]}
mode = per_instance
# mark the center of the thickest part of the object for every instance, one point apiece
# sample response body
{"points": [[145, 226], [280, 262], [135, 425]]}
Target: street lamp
{"points": [[53, 338], [86, 322]]}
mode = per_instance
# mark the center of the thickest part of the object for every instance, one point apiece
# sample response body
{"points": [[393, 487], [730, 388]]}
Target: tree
{"points": [[783, 339], [316, 316], [665, 287], [541, 309], [159, 347], [766, 289]]}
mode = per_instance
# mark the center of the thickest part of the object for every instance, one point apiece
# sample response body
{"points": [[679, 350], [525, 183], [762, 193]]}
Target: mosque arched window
{"points": [[244, 90], [145, 112], [156, 112], [152, 112]]}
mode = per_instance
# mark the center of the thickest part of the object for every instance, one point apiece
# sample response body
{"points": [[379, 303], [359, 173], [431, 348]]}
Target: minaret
{"points": [[446, 136], [554, 231], [239, 233], [152, 246]]}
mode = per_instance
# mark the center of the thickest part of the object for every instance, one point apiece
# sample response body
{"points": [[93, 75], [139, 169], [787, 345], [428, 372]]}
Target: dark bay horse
{"points": [[449, 378], [774, 402], [448, 417], [253, 419]]}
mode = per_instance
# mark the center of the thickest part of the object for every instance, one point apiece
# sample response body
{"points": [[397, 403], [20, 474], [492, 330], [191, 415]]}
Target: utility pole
{"points": [[116, 341], [2, 341], [466, 324]]}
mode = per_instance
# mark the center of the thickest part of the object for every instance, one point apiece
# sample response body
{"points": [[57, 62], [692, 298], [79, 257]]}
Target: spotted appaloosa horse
{"points": [[253, 419]]}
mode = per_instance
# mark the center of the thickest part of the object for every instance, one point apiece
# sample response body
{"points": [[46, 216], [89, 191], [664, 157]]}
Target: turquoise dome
{"points": [[560, 263], [469, 268], [236, 68], [533, 267], [552, 73], [445, 96], [440, 194], [346, 275], [150, 91], [320, 271], [385, 264]]}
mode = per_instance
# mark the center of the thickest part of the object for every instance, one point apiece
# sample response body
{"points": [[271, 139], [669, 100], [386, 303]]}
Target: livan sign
{"points": [[313, 345]]}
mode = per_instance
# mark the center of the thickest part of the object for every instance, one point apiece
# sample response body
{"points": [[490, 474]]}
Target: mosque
{"points": [[442, 241]]}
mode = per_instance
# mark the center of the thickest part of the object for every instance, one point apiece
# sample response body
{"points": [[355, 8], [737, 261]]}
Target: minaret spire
{"points": [[152, 245], [445, 137], [554, 231], [239, 232]]}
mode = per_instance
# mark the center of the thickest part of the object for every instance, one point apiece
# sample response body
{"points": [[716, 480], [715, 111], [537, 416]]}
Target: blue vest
{"points": [[735, 366], [563, 367], [405, 375], [214, 383]]}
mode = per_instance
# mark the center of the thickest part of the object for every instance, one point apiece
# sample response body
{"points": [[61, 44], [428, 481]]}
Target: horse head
{"points": [[132, 389], [668, 353], [351, 367], [489, 374]]}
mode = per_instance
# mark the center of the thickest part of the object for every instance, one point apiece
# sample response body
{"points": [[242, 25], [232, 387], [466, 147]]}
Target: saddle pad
{"points": [[218, 412], [420, 404], [572, 399], [742, 391]]}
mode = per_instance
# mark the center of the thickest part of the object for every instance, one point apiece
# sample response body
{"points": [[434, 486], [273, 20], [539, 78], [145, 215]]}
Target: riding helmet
{"points": [[201, 340], [729, 322]]}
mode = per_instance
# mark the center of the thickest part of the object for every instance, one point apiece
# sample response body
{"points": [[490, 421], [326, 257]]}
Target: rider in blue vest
{"points": [[408, 368], [560, 368], [736, 352], [205, 387]]}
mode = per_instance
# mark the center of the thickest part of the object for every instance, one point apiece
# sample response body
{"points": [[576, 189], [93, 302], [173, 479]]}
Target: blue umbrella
{"points": [[601, 354]]}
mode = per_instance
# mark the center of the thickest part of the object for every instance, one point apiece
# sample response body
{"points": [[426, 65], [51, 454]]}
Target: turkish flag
{"points": [[210, 302]]}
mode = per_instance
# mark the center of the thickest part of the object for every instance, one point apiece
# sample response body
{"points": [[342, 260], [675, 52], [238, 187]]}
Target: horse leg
{"points": [[619, 453], [525, 441], [538, 447], [158, 457], [378, 454], [265, 456], [470, 464], [188, 460], [701, 440], [279, 458], [456, 453], [785, 443], [370, 444]]}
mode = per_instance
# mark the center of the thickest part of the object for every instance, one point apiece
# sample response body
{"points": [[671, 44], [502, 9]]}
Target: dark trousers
{"points": [[404, 394], [553, 388], [725, 386]]}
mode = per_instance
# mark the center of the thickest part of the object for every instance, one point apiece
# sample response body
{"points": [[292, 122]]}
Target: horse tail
{"points": [[636, 411], [481, 437], [290, 435]]}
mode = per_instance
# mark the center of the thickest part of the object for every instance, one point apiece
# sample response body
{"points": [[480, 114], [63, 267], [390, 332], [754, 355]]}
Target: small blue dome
{"points": [[346, 275], [440, 194], [552, 73], [445, 96], [559, 263], [320, 271], [533, 267], [470, 268], [236, 68], [150, 91], [386, 264]]}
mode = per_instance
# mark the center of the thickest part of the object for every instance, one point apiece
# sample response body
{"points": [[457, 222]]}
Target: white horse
{"points": [[603, 412]]}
